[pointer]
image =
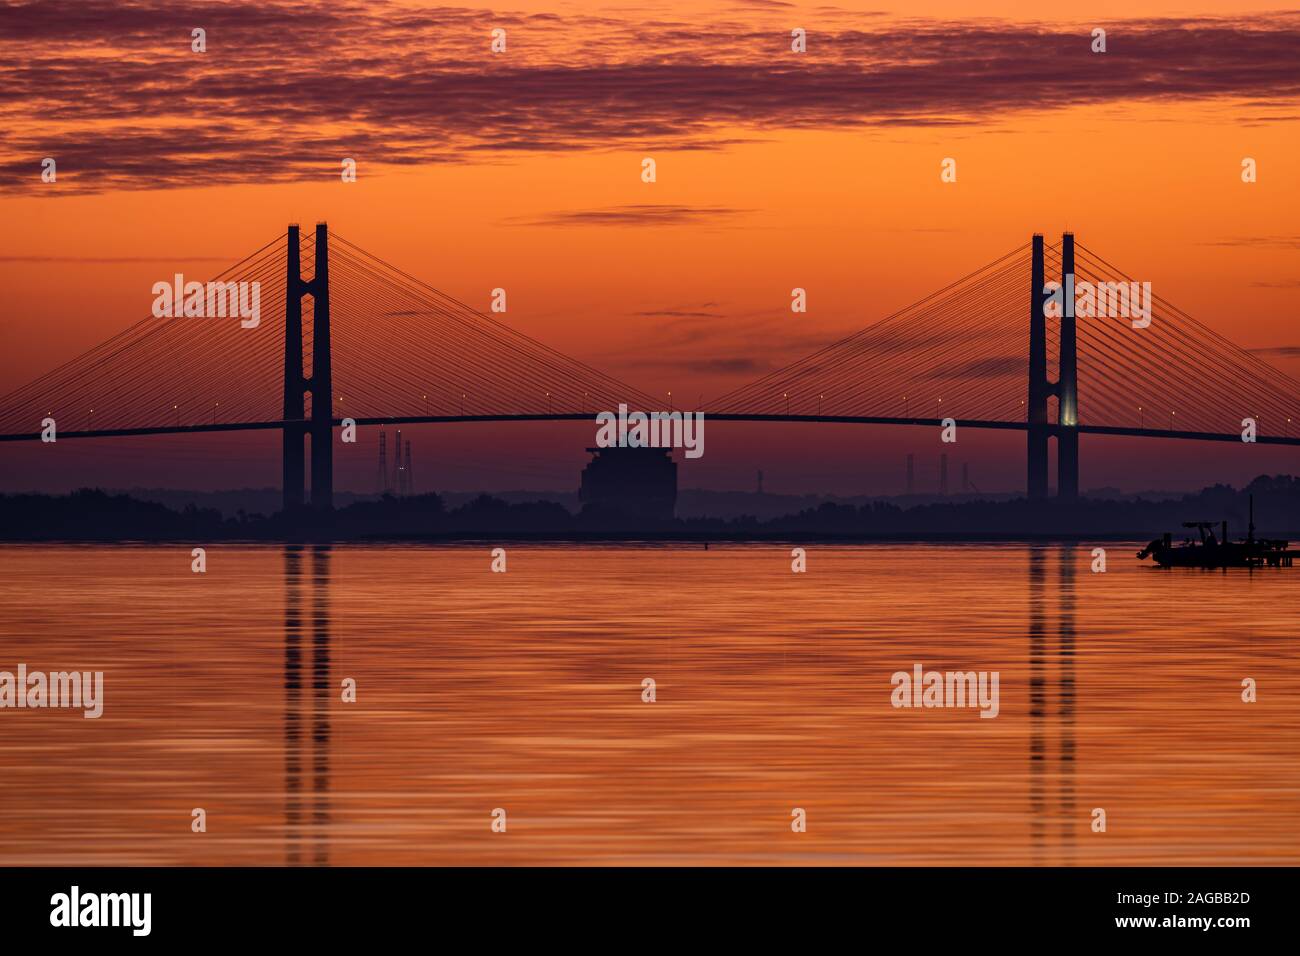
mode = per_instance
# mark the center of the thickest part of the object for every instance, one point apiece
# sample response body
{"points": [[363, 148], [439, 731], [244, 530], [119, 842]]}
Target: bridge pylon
{"points": [[319, 385], [1065, 388]]}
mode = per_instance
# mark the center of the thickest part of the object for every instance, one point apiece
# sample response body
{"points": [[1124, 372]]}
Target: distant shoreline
{"points": [[91, 515], [498, 538]]}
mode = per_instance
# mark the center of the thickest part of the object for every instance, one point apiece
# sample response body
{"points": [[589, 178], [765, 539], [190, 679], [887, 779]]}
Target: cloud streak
{"points": [[116, 260], [287, 89], [635, 214]]}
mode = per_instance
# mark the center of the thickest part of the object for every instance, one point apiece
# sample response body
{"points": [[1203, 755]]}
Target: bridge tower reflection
{"points": [[1062, 703], [306, 715]]}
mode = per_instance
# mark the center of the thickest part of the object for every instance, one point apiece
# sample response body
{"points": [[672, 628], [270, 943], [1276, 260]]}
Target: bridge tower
{"points": [[319, 385], [1067, 383], [1065, 388]]}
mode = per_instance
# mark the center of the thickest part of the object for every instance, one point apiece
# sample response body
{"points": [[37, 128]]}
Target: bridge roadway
{"points": [[720, 417]]}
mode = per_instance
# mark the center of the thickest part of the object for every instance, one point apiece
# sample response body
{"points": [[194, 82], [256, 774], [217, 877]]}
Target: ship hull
{"points": [[1197, 556]]}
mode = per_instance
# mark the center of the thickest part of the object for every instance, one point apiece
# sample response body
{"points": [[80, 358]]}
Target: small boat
{"points": [[1219, 552]]}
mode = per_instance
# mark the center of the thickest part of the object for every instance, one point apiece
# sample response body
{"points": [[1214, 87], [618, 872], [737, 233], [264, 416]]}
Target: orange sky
{"points": [[684, 284]]}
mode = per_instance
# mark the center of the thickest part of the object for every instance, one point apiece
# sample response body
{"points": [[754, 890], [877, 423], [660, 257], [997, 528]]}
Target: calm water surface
{"points": [[523, 691]]}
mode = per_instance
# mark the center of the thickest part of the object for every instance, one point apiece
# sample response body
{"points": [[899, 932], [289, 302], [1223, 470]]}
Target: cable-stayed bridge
{"points": [[362, 340]]}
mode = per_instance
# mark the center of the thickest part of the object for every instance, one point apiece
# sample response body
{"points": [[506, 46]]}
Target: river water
{"points": [[523, 692]]}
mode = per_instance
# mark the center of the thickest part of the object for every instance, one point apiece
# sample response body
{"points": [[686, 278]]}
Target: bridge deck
{"points": [[724, 417]]}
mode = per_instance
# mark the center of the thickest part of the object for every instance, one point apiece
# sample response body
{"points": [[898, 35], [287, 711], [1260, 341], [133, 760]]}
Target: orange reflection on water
{"points": [[523, 691]]}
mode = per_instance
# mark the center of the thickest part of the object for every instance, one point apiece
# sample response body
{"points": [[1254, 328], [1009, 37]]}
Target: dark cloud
{"points": [[679, 314], [1281, 351], [639, 214], [737, 365], [729, 366], [995, 366], [117, 260], [288, 89], [703, 344], [1275, 242]]}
